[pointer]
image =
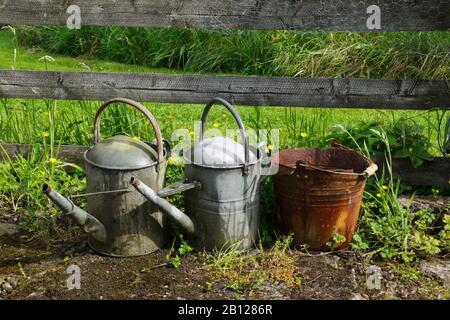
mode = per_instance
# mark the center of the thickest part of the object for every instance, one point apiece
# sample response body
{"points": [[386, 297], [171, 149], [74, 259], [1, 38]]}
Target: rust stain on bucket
{"points": [[318, 194]]}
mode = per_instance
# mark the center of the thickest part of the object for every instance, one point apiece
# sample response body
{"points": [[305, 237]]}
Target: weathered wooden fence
{"points": [[305, 15], [259, 91], [328, 15]]}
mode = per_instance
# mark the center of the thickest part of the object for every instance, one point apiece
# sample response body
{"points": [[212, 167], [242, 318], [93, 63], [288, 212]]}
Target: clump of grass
{"points": [[406, 138], [398, 55], [26, 121], [180, 247], [243, 272], [388, 228], [20, 187], [394, 55]]}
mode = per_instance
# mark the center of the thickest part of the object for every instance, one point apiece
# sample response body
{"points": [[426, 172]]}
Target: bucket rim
{"points": [[310, 167]]}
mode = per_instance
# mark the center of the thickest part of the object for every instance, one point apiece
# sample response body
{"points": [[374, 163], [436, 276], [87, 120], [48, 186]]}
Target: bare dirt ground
{"points": [[37, 270]]}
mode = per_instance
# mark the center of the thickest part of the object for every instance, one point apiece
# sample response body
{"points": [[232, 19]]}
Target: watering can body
{"points": [[226, 208], [133, 225]]}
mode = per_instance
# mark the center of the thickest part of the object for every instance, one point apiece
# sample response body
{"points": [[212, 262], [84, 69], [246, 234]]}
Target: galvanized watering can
{"points": [[222, 185], [120, 222]]}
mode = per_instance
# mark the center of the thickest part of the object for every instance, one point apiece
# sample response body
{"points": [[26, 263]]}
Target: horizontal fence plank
{"points": [[432, 173], [350, 15], [68, 153], [241, 90]]}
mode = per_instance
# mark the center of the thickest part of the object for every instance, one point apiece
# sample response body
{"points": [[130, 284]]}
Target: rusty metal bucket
{"points": [[318, 194]]}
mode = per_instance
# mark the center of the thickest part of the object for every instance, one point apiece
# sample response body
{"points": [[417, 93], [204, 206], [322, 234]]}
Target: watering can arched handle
{"points": [[141, 108], [236, 117]]}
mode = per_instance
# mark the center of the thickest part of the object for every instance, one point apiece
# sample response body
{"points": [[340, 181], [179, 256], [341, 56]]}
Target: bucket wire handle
{"points": [[238, 120], [140, 107], [370, 171]]}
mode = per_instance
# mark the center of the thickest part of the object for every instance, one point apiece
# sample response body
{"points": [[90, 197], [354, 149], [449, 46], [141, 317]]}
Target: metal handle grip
{"points": [[238, 121], [371, 170], [141, 108]]}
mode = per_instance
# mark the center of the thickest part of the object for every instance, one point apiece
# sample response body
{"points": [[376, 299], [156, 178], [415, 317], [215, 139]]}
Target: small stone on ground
{"points": [[8, 229], [438, 269]]}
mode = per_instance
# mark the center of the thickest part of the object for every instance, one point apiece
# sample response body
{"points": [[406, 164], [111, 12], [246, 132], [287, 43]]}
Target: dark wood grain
{"points": [[431, 173], [350, 15], [241, 90]]}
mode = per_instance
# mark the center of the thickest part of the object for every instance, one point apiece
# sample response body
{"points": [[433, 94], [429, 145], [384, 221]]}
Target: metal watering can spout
{"points": [[181, 218], [89, 223]]}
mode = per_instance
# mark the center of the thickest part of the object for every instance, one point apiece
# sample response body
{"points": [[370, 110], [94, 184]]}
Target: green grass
{"points": [[244, 272], [392, 55], [29, 59], [24, 121]]}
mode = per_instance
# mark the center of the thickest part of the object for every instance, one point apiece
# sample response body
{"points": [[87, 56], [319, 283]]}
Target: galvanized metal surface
{"points": [[122, 153], [89, 223], [134, 225], [170, 210], [178, 187], [225, 210], [318, 194]]}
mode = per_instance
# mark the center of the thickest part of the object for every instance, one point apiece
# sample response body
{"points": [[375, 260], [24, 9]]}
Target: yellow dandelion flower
{"points": [[53, 160], [270, 147], [379, 195], [304, 135], [45, 134], [215, 125], [171, 161], [385, 187], [192, 133], [136, 138]]}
